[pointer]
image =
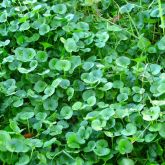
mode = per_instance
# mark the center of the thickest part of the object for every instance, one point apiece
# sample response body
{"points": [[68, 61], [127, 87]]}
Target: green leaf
{"points": [[50, 104], [33, 64], [126, 161], [14, 126], [98, 125], [150, 137], [118, 84], [152, 49], [19, 102], [90, 146], [162, 130], [5, 43], [130, 130], [102, 38], [70, 93], [70, 45], [24, 26], [23, 160], [154, 127], [77, 105], [82, 82], [137, 98], [75, 62], [91, 100], [82, 26], [41, 115], [17, 145], [92, 77], [5, 3], [155, 69], [36, 143], [127, 8], [161, 43], [161, 88], [101, 151], [138, 90], [4, 140], [87, 65], [151, 114], [107, 113], [52, 63], [26, 115], [155, 12], [125, 146], [40, 86], [88, 93], [114, 28], [46, 45], [24, 54], [49, 142], [9, 86], [63, 65], [66, 112], [3, 17], [122, 97], [143, 43], [123, 61], [43, 29], [107, 86], [59, 8], [126, 90], [64, 83], [73, 140], [101, 148], [56, 82], [49, 91], [41, 56]]}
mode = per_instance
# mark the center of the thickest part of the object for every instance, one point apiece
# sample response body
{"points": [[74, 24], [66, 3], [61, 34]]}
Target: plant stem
{"points": [[161, 15], [28, 126]]}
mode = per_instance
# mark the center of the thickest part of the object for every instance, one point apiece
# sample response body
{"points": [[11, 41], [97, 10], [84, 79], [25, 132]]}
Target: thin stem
{"points": [[161, 15], [133, 23], [28, 126], [140, 2]]}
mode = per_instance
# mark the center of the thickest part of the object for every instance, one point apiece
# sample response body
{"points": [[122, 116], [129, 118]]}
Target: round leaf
{"points": [[123, 61], [125, 146], [59, 8], [66, 112], [70, 45], [63, 65], [43, 29]]}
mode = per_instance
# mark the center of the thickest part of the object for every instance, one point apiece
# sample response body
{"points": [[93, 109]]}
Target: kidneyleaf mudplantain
{"points": [[66, 112], [59, 8], [82, 82], [70, 45], [63, 65], [43, 29], [101, 148], [17, 145], [24, 54], [161, 43], [41, 56], [123, 61], [4, 140], [124, 146]]}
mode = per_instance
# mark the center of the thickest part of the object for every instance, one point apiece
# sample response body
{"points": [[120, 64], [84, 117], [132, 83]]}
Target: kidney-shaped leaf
{"points": [[125, 146], [4, 140]]}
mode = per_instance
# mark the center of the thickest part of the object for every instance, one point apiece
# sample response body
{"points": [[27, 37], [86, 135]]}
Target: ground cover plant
{"points": [[82, 82]]}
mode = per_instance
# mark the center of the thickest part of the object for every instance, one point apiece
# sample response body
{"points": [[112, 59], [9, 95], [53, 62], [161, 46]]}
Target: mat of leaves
{"points": [[82, 82]]}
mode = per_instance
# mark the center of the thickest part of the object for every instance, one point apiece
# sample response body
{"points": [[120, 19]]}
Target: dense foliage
{"points": [[82, 82]]}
